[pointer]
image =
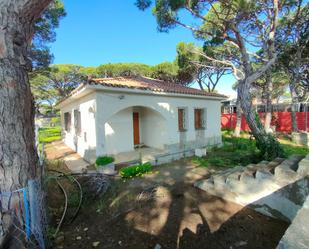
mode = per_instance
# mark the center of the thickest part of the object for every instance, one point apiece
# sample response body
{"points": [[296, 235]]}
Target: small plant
{"points": [[202, 162], [104, 160], [135, 170]]}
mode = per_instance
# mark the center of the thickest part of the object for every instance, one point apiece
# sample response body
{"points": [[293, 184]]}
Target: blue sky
{"points": [[97, 32]]}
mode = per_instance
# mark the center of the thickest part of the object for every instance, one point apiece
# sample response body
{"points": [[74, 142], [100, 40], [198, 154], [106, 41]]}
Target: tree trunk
{"points": [[18, 157], [267, 144], [238, 117], [268, 96], [293, 107]]}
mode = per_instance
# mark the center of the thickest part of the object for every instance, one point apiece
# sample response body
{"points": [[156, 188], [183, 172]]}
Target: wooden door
{"points": [[136, 128]]}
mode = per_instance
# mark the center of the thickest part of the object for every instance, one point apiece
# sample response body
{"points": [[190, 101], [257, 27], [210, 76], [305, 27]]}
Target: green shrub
{"points": [[202, 162], [220, 162], [104, 160], [135, 170]]}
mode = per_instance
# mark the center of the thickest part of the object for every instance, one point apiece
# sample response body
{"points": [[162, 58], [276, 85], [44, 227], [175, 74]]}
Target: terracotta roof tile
{"points": [[143, 83]]}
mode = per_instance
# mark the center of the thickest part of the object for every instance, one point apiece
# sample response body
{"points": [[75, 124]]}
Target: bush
{"points": [[104, 160], [135, 170]]}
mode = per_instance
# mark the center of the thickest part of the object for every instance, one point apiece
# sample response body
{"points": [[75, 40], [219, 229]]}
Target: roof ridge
{"points": [[147, 83]]}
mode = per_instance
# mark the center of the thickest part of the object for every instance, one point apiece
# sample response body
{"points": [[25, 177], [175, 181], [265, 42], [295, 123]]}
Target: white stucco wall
{"points": [[153, 128], [107, 121], [109, 104], [85, 143], [119, 132]]}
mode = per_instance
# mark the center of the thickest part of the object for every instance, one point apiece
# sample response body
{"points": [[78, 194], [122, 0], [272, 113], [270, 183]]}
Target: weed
{"points": [[135, 170], [104, 160]]}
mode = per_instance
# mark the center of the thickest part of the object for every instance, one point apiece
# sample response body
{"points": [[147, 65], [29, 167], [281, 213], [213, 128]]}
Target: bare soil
{"points": [[164, 208]]}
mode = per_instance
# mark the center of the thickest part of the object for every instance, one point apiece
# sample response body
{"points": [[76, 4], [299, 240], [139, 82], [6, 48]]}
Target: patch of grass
{"points": [[104, 160], [292, 149], [49, 134], [135, 170], [243, 151]]}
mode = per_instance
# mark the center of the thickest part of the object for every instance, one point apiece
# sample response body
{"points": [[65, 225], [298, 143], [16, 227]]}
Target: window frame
{"points": [[67, 121], [201, 124], [77, 122], [184, 111]]}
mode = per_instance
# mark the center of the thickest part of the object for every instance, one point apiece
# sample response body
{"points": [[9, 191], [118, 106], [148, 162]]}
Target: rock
{"points": [[59, 239], [120, 242], [95, 244], [78, 237], [85, 229], [158, 246]]}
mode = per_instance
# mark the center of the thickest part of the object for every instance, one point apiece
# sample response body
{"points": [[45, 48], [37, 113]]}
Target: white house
{"points": [[115, 115]]}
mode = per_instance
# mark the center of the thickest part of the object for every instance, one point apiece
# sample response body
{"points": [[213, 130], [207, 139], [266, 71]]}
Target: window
{"points": [[77, 122], [67, 121], [199, 119], [182, 119]]}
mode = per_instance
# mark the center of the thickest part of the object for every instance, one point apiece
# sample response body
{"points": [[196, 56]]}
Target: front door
{"points": [[136, 128]]}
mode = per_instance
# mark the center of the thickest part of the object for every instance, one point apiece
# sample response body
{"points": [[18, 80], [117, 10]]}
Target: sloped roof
{"points": [[143, 83]]}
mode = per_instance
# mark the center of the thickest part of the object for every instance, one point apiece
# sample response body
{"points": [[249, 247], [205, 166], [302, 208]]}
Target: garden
{"points": [[146, 206]]}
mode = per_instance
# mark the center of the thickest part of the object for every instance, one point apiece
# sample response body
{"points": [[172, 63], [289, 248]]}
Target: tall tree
{"points": [[195, 68], [294, 48], [123, 69], [18, 157], [268, 89], [57, 82], [244, 24], [167, 71], [45, 34]]}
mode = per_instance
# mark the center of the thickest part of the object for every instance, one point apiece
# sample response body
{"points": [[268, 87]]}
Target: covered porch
{"points": [[133, 131]]}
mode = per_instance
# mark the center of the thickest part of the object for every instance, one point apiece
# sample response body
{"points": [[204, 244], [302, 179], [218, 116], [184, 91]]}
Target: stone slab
{"points": [[297, 235]]}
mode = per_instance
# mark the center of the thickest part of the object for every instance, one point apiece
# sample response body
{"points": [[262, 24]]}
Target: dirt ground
{"points": [[164, 208]]}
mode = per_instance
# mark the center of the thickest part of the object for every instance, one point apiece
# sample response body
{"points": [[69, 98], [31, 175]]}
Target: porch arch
{"points": [[162, 108], [119, 129]]}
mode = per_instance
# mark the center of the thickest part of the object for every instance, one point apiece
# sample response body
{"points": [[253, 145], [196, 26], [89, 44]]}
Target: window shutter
{"points": [[180, 119], [184, 119], [67, 121]]}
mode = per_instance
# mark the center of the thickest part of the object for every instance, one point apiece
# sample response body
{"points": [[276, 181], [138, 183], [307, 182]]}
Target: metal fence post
{"points": [[37, 214]]}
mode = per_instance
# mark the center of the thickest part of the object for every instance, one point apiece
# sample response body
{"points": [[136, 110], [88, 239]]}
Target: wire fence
{"points": [[25, 208]]}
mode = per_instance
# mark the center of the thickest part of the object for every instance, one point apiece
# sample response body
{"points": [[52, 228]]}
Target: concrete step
{"points": [[287, 170], [220, 178], [272, 188], [303, 166]]}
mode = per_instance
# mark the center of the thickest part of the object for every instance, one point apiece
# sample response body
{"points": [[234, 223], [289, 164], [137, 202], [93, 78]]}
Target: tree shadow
{"points": [[177, 215]]}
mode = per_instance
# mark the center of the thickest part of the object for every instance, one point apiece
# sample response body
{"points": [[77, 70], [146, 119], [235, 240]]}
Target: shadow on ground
{"points": [[164, 208]]}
